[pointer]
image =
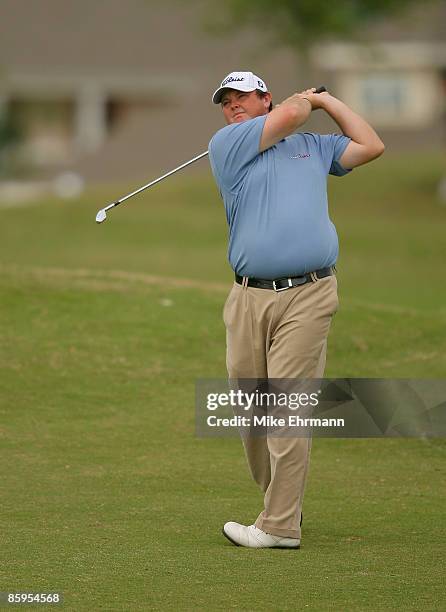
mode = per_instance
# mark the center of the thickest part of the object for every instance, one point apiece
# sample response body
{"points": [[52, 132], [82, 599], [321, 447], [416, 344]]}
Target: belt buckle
{"points": [[290, 284]]}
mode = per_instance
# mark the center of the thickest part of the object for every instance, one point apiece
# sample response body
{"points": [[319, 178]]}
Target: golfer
{"points": [[283, 248]]}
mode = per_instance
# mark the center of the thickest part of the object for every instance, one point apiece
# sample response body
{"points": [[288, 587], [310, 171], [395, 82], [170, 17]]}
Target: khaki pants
{"points": [[279, 335]]}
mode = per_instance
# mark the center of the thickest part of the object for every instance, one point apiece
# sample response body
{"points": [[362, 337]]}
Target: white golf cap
{"points": [[243, 81]]}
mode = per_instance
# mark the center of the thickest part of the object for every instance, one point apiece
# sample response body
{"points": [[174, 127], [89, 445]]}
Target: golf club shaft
{"points": [[130, 195]]}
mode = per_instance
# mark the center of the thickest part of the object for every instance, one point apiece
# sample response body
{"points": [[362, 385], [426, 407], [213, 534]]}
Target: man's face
{"points": [[239, 106]]}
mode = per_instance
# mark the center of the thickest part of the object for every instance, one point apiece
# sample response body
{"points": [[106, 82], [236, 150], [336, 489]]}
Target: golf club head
{"points": [[101, 216]]}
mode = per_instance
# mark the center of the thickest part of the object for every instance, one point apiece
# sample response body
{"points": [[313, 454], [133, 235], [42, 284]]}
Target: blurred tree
{"points": [[299, 23], [9, 132], [10, 136]]}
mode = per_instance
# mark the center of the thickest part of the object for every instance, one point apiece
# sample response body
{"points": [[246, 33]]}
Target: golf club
{"points": [[102, 214]]}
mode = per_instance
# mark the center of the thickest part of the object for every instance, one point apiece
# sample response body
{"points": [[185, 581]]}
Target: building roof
{"points": [[95, 36], [423, 22], [140, 37]]}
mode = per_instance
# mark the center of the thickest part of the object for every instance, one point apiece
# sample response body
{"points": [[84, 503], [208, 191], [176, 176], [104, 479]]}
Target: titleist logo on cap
{"points": [[231, 79]]}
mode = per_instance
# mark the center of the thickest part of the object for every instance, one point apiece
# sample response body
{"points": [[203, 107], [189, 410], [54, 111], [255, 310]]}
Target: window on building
{"points": [[384, 95]]}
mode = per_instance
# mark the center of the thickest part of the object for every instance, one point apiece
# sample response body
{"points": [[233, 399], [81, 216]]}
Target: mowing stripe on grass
{"points": [[100, 280]]}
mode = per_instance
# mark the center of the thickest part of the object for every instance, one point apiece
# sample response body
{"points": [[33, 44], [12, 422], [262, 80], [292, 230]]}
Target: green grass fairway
{"points": [[108, 496]]}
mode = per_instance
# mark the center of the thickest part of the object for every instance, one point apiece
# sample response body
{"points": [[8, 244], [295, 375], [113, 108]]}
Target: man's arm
{"points": [[284, 119], [365, 145]]}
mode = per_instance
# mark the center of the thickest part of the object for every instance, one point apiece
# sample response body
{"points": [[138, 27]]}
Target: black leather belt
{"points": [[280, 284]]}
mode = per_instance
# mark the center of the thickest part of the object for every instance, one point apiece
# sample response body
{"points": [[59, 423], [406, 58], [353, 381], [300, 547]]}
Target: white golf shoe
{"points": [[253, 537]]}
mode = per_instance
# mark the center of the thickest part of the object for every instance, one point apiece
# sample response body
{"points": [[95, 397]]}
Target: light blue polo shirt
{"points": [[276, 201]]}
